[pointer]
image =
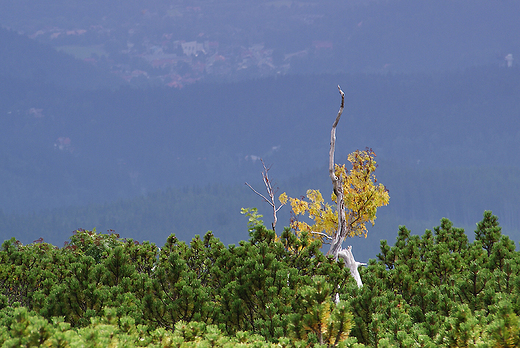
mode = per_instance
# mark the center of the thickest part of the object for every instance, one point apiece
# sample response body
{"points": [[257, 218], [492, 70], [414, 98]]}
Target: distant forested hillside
{"points": [[439, 139], [60, 147]]}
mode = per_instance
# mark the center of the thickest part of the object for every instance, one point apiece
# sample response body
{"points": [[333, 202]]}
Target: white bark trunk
{"points": [[352, 264], [337, 186]]}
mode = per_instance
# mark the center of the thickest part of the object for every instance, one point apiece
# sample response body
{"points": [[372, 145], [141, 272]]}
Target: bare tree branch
{"points": [[270, 192], [323, 235], [258, 193]]}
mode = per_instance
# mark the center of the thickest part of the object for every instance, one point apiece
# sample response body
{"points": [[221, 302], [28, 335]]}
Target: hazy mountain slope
{"points": [[25, 59]]}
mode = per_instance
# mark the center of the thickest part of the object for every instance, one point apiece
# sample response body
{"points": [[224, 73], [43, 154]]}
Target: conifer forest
{"points": [[102, 290]]}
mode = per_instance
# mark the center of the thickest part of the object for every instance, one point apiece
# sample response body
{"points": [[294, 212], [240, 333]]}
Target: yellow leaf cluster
{"points": [[283, 198], [362, 195], [320, 212]]}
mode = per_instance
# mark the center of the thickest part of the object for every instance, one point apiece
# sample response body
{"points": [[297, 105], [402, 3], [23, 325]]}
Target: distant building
{"points": [[192, 48]]}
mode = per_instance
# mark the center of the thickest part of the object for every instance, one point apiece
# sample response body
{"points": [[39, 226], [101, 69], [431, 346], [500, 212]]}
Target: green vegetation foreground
{"points": [[435, 290]]}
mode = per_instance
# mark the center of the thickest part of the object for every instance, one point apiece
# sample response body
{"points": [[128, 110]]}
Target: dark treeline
{"points": [[418, 197]]}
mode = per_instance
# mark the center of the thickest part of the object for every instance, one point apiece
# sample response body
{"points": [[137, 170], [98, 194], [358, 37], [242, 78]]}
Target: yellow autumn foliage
{"points": [[362, 195]]}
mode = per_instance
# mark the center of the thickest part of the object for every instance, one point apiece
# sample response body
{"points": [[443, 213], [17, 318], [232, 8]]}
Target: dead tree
{"points": [[337, 185], [270, 192]]}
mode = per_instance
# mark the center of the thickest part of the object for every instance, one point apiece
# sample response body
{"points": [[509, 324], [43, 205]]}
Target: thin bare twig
{"points": [[258, 193]]}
